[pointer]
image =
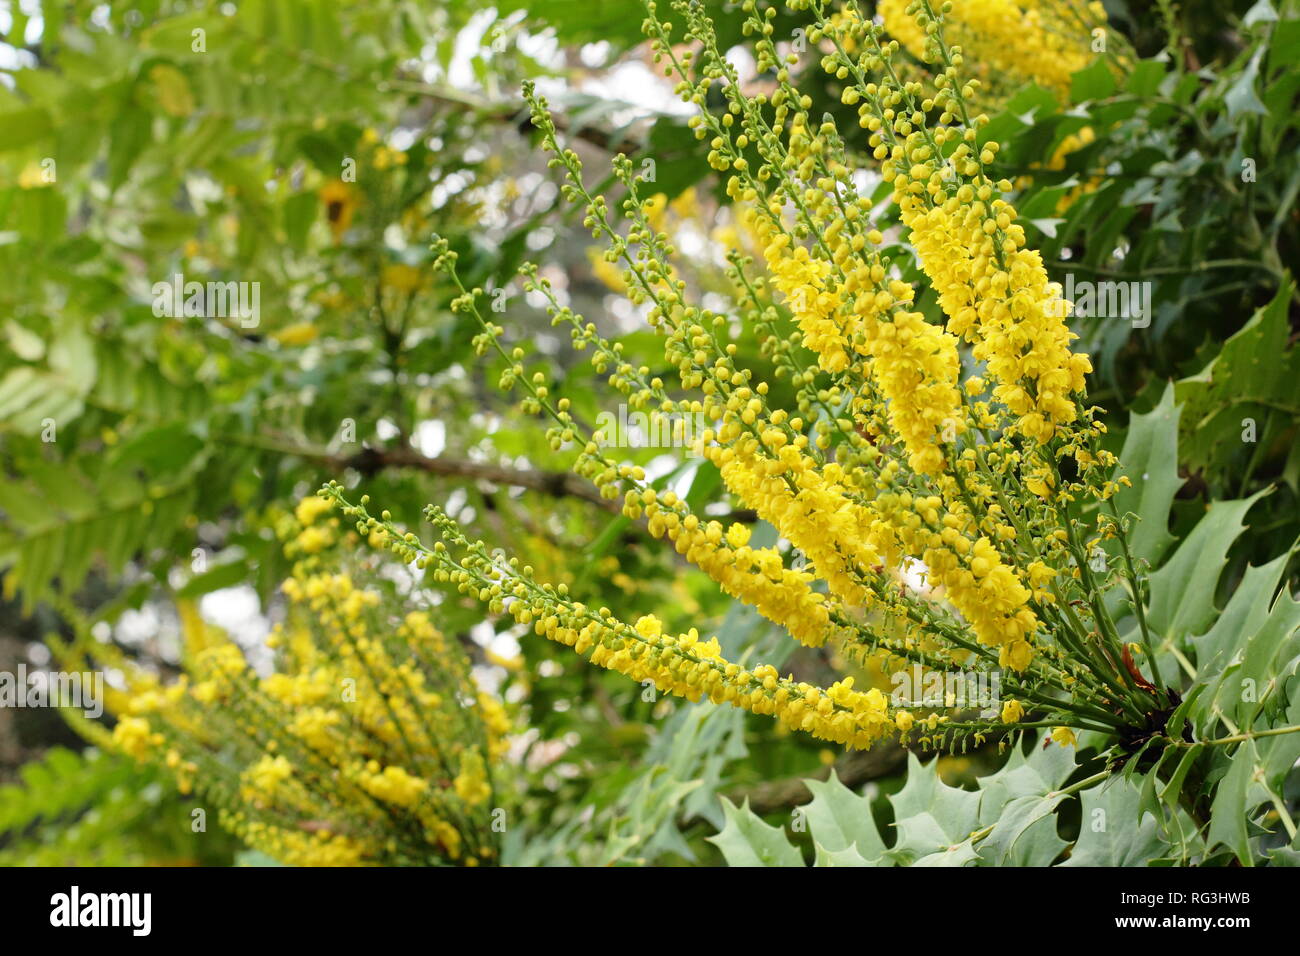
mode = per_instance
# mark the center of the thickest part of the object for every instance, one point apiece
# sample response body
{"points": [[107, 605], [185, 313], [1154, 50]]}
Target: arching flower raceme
{"points": [[1010, 41], [369, 743], [925, 479]]}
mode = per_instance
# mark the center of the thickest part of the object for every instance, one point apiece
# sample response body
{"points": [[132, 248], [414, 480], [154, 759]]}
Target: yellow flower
{"points": [[471, 783], [315, 539], [515, 663], [311, 508], [264, 778], [340, 203], [299, 333], [35, 176], [1011, 41], [1017, 655], [757, 576], [1040, 483], [365, 705], [394, 785], [1064, 736], [649, 626], [133, 737], [314, 725], [1012, 711]]}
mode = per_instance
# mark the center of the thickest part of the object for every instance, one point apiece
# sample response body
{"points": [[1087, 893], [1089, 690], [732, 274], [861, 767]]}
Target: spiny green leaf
{"points": [[1150, 460], [748, 841], [839, 819], [1018, 801], [1255, 377], [1228, 812], [1182, 591], [1244, 613], [959, 854], [1016, 820], [846, 857], [930, 816], [1113, 831]]}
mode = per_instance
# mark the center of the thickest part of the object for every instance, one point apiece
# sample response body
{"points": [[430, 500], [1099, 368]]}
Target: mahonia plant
{"points": [[964, 452], [369, 743], [1012, 42]]}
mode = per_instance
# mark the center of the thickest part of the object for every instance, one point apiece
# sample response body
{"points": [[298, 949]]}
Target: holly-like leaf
{"points": [[845, 857], [1241, 98], [1249, 672], [959, 854], [1019, 802], [839, 819], [1226, 406], [1113, 831], [747, 841], [1182, 591], [1150, 461], [1244, 613], [1011, 842], [931, 816], [1228, 825]]}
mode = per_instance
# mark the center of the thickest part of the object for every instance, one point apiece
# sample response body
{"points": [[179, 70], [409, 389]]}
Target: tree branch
{"points": [[369, 461], [853, 768], [558, 484]]}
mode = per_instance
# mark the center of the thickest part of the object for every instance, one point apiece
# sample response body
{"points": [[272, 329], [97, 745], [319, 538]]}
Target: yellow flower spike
{"points": [[919, 505], [371, 724], [1013, 41]]}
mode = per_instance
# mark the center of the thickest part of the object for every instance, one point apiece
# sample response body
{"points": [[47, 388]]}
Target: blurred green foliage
{"points": [[146, 457]]}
